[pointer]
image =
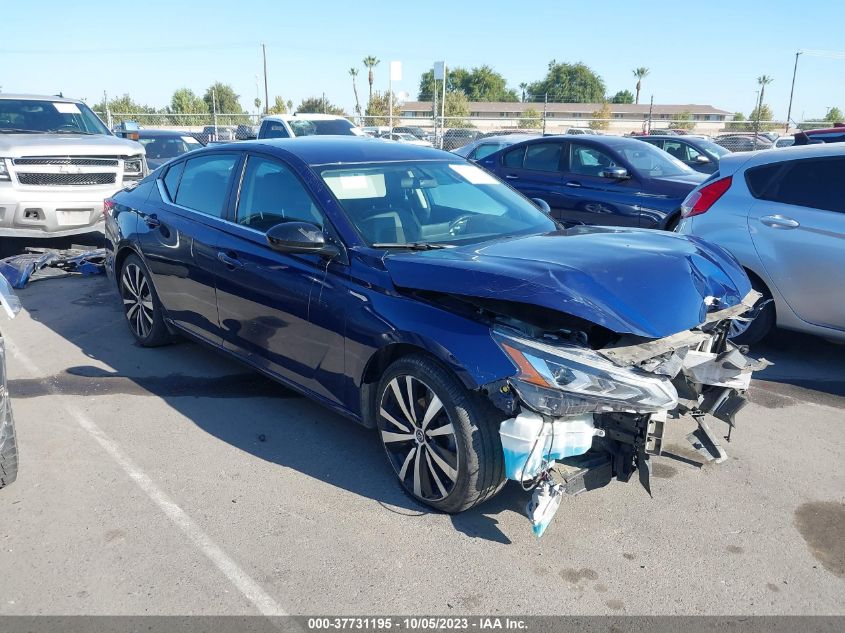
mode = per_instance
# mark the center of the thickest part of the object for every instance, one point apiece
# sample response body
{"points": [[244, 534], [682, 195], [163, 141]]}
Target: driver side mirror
{"points": [[542, 204], [614, 173], [701, 159], [300, 237]]}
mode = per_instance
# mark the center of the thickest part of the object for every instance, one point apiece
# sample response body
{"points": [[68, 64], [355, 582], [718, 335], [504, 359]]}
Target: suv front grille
{"points": [[65, 179], [66, 160]]}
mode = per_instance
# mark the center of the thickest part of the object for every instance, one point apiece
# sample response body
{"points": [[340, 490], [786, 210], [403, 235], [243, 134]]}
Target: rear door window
{"points": [[543, 157], [816, 183], [274, 129], [514, 158], [205, 183]]}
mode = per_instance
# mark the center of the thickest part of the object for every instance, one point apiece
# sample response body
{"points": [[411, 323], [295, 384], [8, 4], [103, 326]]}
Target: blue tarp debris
{"points": [[44, 263]]}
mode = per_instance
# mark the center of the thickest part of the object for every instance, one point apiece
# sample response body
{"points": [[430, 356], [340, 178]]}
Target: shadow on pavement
{"points": [[276, 425]]}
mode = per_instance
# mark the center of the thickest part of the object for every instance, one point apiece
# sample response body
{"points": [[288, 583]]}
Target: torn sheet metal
{"points": [[748, 302], [543, 506], [19, 270]]}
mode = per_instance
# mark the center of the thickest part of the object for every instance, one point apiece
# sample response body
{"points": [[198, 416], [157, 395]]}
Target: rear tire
{"points": [[441, 439], [754, 332], [141, 306]]}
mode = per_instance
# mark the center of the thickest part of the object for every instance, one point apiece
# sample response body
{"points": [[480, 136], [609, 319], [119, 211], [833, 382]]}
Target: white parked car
{"points": [[306, 124], [403, 137], [58, 163], [782, 215]]}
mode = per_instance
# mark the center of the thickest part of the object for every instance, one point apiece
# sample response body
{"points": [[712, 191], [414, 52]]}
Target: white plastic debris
{"points": [[543, 506], [529, 441]]}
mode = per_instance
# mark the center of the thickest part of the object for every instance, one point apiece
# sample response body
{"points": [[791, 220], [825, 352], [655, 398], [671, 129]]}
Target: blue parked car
{"points": [[607, 180], [413, 292]]}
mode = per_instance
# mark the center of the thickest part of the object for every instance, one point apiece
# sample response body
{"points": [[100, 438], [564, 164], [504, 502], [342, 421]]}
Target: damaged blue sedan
{"points": [[417, 294]]}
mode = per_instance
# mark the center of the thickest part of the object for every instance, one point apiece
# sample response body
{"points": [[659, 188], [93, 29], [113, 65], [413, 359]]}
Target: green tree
{"points": [[123, 108], [228, 107], [319, 105], [370, 62], [457, 110], [568, 83], [763, 81], [531, 119], [834, 115], [279, 106], [479, 84], [601, 117], [761, 119], [623, 96], [640, 73], [682, 121], [378, 109], [523, 86], [185, 102]]}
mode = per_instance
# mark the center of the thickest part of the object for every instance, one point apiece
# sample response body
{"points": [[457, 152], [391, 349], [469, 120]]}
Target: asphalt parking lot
{"points": [[174, 481]]}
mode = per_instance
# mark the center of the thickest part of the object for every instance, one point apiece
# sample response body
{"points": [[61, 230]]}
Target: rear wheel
{"points": [[141, 305], [8, 441], [752, 332], [441, 439]]}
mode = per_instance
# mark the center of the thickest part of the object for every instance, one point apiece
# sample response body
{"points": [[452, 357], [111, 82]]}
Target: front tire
{"points": [[441, 439], [141, 306]]}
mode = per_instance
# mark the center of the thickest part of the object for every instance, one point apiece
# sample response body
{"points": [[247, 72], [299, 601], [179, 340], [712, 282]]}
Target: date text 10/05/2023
{"points": [[416, 623]]}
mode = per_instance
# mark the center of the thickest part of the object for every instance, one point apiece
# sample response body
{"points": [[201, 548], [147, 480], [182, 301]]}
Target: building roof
{"points": [[494, 107]]}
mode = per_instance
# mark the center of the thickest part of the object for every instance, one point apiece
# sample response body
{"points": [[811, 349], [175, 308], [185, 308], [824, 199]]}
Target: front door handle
{"points": [[151, 220], [231, 261], [572, 183], [511, 177], [780, 222]]}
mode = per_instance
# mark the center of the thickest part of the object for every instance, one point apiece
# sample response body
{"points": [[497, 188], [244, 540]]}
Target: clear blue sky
{"points": [[706, 53]]}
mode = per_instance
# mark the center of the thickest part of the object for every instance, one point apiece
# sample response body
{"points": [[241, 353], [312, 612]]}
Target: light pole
{"points": [[792, 90]]}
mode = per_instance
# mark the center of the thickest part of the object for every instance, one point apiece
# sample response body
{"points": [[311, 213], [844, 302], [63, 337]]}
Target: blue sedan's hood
{"points": [[647, 283]]}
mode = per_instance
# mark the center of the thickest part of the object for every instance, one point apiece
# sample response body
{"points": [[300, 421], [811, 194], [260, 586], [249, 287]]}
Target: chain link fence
{"points": [[451, 133]]}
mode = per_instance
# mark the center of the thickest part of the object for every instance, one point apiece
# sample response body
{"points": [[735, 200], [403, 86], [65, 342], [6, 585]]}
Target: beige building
{"points": [[625, 117]]}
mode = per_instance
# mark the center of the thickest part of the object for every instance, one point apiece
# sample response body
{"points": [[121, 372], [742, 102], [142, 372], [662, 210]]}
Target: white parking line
{"points": [[250, 589]]}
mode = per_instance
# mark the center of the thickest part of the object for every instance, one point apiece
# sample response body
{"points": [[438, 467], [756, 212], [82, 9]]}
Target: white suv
{"points": [[58, 163], [307, 124]]}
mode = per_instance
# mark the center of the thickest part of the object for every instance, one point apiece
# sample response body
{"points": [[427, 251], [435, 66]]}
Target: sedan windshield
{"points": [[42, 116], [649, 160], [432, 203]]}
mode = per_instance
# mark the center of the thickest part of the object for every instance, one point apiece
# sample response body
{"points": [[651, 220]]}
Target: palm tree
{"points": [[640, 73], [522, 87], [763, 81], [353, 72], [371, 62]]}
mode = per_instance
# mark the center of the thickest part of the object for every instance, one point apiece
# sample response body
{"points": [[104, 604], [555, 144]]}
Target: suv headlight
{"points": [[569, 380], [4, 171], [133, 167]]}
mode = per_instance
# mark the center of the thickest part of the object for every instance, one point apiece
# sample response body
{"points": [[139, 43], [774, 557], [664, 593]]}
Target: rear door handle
{"points": [[231, 262], [151, 220], [780, 222], [572, 183]]}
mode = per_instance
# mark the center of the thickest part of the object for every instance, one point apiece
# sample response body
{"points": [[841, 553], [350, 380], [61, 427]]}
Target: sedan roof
{"points": [[324, 150]]}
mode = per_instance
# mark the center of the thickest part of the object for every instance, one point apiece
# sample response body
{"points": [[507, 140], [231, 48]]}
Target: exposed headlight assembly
{"points": [[4, 171], [567, 380]]}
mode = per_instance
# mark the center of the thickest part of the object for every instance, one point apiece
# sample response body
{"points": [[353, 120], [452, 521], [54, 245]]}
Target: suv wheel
{"points": [[441, 439]]}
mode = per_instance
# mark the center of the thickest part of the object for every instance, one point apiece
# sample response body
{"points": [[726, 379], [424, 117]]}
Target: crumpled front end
{"points": [[581, 414]]}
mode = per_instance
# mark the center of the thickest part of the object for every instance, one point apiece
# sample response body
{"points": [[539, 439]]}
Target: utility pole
{"points": [[266, 92], [650, 110], [792, 91], [758, 100], [324, 103], [545, 107], [214, 110], [443, 104]]}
